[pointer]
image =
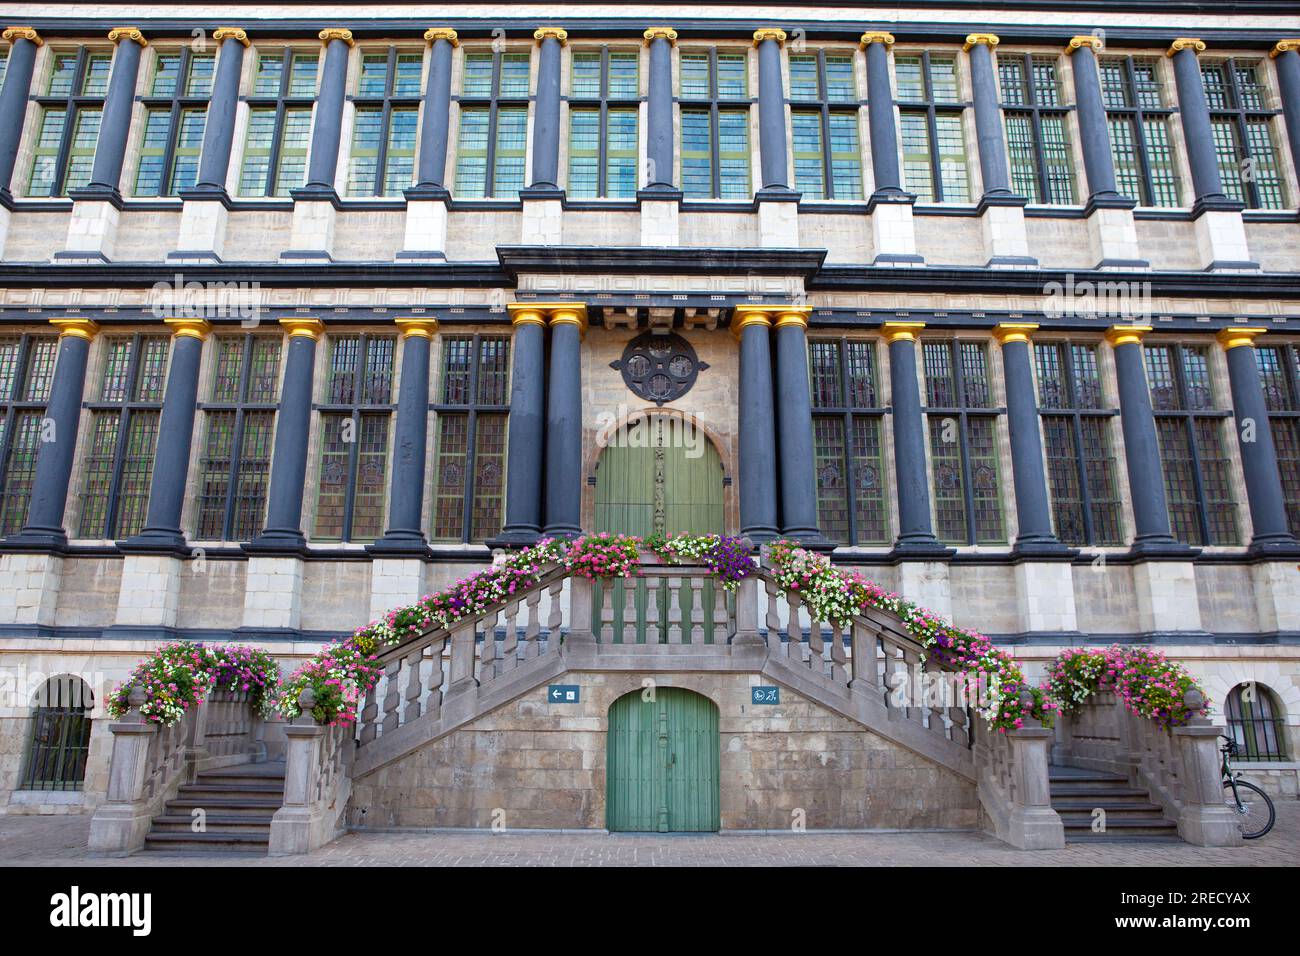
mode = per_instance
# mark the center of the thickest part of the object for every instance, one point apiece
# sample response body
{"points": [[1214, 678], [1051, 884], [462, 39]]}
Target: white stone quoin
{"points": [[150, 591], [313, 227], [29, 588], [543, 222], [394, 582], [1045, 596], [1166, 596], [1221, 237], [893, 232], [1004, 234], [778, 225], [92, 230], [426, 228], [1277, 595], [273, 593], [659, 222], [1112, 234], [927, 583], [203, 229]]}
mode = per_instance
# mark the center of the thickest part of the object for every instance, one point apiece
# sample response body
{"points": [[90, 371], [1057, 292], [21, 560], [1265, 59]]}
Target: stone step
{"points": [[1120, 827], [214, 822], [1093, 777], [239, 776], [1110, 806], [1127, 839], [228, 804], [213, 792], [247, 839], [1117, 794]]}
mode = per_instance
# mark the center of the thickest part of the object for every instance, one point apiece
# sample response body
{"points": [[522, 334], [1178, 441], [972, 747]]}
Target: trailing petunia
{"points": [[179, 675], [1146, 682]]}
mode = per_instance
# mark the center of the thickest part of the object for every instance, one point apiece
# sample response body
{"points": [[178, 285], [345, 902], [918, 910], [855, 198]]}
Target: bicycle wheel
{"points": [[1252, 806]]}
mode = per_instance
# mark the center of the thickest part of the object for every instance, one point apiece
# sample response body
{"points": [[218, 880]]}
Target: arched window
{"points": [[56, 756], [1256, 722]]}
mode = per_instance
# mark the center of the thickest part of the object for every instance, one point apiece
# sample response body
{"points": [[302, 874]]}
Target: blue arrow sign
{"points": [[563, 693], [765, 695]]}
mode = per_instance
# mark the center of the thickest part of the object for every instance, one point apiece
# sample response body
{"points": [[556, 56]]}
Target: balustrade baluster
{"points": [[793, 629], [433, 704], [606, 613], [722, 621], [839, 659], [865, 676], [652, 608], [369, 713], [488, 650], [414, 687], [674, 610], [697, 609], [510, 646], [816, 646], [773, 616], [392, 694], [555, 617], [533, 627], [626, 615]]}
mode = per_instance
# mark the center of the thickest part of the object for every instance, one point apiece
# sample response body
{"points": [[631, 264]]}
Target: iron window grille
{"points": [[824, 105], [713, 92], [175, 112], [493, 138], [1137, 115], [60, 739], [355, 418], [964, 454], [1197, 470], [235, 463], [1257, 722], [1037, 124], [848, 425], [472, 408], [1076, 438], [933, 136], [26, 374], [1279, 370], [279, 122], [604, 100], [1241, 121], [385, 121], [123, 436], [71, 110]]}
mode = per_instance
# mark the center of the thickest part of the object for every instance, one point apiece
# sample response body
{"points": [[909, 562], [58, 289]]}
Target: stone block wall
{"points": [[530, 764]]}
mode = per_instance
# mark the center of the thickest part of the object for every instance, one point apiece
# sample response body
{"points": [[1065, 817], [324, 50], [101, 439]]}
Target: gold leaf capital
{"points": [[22, 33]]}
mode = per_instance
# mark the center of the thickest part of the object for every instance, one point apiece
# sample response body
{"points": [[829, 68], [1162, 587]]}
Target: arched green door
{"points": [[662, 763]]}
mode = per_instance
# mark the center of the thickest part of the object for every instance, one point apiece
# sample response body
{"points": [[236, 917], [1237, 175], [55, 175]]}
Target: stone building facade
{"points": [[301, 319]]}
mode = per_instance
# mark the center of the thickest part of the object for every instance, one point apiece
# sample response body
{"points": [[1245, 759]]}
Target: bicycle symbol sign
{"points": [[765, 695]]}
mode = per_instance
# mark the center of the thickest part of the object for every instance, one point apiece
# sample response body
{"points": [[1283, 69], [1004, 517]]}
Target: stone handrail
{"points": [[317, 782], [149, 762], [1177, 766]]}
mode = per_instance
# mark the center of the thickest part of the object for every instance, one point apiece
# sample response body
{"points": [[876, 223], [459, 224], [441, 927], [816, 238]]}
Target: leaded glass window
{"points": [[176, 110], [962, 426], [1037, 125], [848, 421], [469, 466], [1194, 457], [1279, 371], [827, 151], [26, 374], [1138, 116], [1241, 122], [70, 111], [714, 97], [1076, 437], [381, 161], [279, 123], [603, 120], [124, 416], [235, 461], [930, 127], [355, 416], [493, 137]]}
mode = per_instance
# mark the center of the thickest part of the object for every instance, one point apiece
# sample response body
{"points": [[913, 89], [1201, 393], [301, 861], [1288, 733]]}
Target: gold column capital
{"points": [[1118, 335], [1282, 46], [303, 325], [1236, 336], [118, 34], [420, 327], [526, 313], [232, 33], [746, 315], [788, 315], [76, 328], [876, 36], [551, 33], [901, 331], [190, 328], [1186, 43], [1007, 332], [660, 33], [22, 33], [434, 34], [336, 33], [989, 40], [769, 33], [1084, 40], [569, 313]]}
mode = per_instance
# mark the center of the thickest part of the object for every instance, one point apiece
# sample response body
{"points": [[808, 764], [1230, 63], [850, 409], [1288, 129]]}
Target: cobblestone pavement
{"points": [[61, 840]]}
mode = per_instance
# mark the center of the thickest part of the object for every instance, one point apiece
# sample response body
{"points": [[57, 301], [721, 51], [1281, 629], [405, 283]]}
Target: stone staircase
{"points": [[238, 803], [1131, 817]]}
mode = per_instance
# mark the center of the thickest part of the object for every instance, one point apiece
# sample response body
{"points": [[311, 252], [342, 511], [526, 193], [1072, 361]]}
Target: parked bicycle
{"points": [[1251, 804]]}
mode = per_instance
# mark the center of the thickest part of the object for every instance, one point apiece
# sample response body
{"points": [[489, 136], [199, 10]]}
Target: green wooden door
{"points": [[662, 763]]}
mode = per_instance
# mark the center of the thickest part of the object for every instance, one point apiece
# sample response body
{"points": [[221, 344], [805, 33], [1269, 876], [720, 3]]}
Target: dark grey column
{"points": [[794, 430], [915, 531], [405, 534], [659, 109], [283, 531], [1194, 114], [219, 129], [1272, 533], [546, 111], [115, 124], [756, 466], [1094, 134], [1033, 510], [1286, 57], [13, 99], [564, 422], [432, 172], [327, 130], [1146, 479], [880, 114], [162, 532], [43, 530], [988, 117], [771, 111], [527, 437]]}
